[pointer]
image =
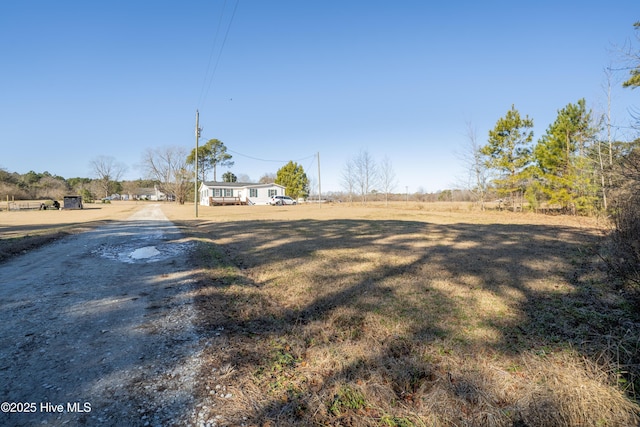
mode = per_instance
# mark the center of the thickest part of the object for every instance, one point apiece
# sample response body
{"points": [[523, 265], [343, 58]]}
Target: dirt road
{"points": [[96, 328]]}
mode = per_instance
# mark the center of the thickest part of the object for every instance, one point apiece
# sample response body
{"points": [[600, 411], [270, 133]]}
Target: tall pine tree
{"points": [[567, 175], [211, 155], [508, 152]]}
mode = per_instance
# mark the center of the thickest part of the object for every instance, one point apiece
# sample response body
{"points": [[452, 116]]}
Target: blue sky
{"points": [[399, 79]]}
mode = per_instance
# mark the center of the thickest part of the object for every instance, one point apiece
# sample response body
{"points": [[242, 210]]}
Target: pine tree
{"points": [[229, 177], [211, 155], [508, 152], [566, 173]]}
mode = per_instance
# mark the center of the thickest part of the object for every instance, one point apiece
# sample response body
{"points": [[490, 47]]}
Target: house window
{"points": [[273, 192], [217, 192], [228, 192], [253, 192]]}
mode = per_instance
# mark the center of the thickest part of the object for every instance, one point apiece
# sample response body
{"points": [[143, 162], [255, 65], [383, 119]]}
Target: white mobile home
{"points": [[238, 193]]}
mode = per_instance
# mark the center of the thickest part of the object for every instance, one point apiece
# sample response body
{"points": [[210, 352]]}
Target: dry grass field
{"points": [[411, 315], [408, 315]]}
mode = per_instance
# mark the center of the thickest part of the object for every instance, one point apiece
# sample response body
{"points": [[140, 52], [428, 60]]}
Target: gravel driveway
{"points": [[96, 329]]}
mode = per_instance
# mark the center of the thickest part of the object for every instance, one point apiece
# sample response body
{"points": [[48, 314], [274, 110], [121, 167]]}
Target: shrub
{"points": [[624, 252], [625, 249]]}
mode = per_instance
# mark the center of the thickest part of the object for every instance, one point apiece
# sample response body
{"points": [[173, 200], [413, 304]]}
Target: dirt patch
{"points": [[23, 231], [97, 328]]}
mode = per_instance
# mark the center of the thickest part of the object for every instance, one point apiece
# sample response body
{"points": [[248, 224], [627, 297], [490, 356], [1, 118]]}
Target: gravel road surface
{"points": [[96, 329]]}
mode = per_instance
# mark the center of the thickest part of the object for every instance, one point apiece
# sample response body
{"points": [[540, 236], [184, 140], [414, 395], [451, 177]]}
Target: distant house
{"points": [[151, 194], [239, 193]]}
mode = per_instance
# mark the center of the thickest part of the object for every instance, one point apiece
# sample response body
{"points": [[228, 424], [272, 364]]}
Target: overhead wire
{"points": [[209, 77], [213, 48], [309, 170], [224, 41], [271, 160], [313, 158]]}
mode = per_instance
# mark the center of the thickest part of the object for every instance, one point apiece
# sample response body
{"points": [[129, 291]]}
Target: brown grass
{"points": [[401, 316], [409, 315]]}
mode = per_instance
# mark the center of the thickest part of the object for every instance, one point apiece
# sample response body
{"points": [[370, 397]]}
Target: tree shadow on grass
{"points": [[362, 322]]}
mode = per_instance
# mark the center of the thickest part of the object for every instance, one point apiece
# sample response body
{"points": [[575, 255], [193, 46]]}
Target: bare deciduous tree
{"points": [[477, 180], [168, 166], [348, 179], [606, 164], [366, 174], [267, 178], [243, 177], [387, 178], [107, 170]]}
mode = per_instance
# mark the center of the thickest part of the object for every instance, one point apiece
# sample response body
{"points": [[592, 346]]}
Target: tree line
{"points": [[565, 169], [39, 186], [575, 166], [170, 170]]}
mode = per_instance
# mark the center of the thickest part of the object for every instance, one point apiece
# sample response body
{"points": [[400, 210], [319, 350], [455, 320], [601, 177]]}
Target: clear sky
{"points": [[283, 80]]}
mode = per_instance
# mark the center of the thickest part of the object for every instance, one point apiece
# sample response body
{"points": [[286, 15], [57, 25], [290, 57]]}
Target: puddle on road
{"points": [[147, 242], [146, 252], [132, 253]]}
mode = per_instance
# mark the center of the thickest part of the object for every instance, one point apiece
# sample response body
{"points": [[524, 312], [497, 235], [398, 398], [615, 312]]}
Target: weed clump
{"points": [[346, 399]]}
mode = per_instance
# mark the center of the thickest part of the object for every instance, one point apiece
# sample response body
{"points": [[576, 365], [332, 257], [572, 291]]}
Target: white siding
{"points": [[257, 194]]}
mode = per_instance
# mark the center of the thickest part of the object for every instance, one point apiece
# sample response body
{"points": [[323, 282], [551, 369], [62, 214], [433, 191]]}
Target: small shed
{"points": [[72, 202]]}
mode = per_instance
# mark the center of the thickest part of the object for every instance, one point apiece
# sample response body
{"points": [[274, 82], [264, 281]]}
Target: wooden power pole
{"points": [[319, 183], [195, 175]]}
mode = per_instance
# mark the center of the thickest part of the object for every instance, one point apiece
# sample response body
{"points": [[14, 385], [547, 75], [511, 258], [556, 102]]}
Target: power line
{"points": [[271, 161], [313, 158], [213, 48], [215, 67]]}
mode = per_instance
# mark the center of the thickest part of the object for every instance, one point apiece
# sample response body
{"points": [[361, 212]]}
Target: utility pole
{"points": [[195, 175], [319, 183]]}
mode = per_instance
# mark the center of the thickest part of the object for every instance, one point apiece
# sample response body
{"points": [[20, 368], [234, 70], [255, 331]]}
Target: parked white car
{"points": [[282, 200]]}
